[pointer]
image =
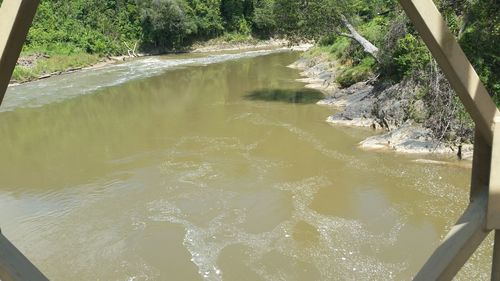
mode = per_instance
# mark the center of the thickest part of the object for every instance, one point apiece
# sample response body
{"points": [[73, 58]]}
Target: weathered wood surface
{"points": [[460, 243], [15, 19], [493, 217], [14, 266], [483, 213]]}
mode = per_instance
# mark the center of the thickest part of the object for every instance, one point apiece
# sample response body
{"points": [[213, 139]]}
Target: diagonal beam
{"points": [[15, 19], [14, 266], [460, 243], [455, 65], [470, 230]]}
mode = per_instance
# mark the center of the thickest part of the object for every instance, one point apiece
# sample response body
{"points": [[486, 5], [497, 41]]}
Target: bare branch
{"points": [[367, 45]]}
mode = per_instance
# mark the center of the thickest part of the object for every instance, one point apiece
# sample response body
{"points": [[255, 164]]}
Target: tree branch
{"points": [[353, 34]]}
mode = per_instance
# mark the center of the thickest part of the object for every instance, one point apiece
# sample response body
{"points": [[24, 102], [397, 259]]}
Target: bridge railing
{"points": [[483, 213]]}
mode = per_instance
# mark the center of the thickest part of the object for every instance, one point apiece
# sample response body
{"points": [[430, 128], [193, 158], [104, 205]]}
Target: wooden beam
{"points": [[15, 19], [493, 213], [14, 266], [481, 165], [495, 268], [455, 65], [458, 245]]}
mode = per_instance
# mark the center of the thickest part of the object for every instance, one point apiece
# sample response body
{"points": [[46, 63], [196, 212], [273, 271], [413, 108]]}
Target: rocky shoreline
{"points": [[383, 108]]}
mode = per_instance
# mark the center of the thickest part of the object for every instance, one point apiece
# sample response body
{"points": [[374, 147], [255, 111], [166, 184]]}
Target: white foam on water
{"points": [[59, 88], [336, 254]]}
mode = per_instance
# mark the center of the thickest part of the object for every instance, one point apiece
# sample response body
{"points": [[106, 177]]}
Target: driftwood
{"points": [[353, 34], [131, 51]]}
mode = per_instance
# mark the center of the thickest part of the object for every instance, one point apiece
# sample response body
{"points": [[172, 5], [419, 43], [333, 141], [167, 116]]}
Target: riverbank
{"points": [[384, 108], [35, 67]]}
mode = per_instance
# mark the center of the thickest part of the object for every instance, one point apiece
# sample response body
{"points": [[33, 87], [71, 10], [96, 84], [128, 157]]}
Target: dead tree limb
{"points": [[354, 35]]}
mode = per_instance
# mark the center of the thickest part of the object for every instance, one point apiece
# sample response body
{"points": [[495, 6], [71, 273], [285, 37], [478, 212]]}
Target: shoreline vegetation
{"points": [[35, 67], [368, 58]]}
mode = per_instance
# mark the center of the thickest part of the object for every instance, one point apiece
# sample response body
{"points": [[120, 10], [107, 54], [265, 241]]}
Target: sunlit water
{"points": [[211, 167]]}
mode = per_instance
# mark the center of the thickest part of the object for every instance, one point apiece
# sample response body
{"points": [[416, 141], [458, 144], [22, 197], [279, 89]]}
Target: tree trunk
{"points": [[353, 34]]}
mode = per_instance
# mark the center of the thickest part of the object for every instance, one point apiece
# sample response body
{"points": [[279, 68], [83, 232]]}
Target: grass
{"points": [[334, 51], [353, 74], [52, 64]]}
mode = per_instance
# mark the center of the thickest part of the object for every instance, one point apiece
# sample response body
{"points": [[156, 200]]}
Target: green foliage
{"points": [[53, 64], [166, 23], [334, 46], [236, 13], [207, 17], [289, 16], [480, 40], [264, 18], [107, 27], [375, 30], [360, 72], [93, 26], [410, 55], [236, 38], [339, 48]]}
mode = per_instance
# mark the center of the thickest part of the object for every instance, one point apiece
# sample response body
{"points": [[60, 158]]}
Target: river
{"points": [[212, 167]]}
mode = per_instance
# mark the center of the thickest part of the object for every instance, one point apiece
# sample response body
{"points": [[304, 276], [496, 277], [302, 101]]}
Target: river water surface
{"points": [[211, 167]]}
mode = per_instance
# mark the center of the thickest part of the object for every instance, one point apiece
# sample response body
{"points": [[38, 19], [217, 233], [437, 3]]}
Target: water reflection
{"points": [[198, 173], [304, 96]]}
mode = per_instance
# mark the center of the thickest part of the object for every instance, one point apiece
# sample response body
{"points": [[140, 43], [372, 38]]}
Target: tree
{"points": [[208, 18], [263, 17], [237, 14], [318, 18], [166, 23]]}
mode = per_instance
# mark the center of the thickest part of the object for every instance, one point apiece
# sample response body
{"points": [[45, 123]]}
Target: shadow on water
{"points": [[302, 96]]}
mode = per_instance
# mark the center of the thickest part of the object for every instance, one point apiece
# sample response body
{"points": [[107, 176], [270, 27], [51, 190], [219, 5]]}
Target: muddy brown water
{"points": [[212, 167]]}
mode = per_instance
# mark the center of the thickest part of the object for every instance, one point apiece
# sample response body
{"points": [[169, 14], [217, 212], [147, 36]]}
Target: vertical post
{"points": [[493, 214], [15, 19], [495, 269], [480, 165]]}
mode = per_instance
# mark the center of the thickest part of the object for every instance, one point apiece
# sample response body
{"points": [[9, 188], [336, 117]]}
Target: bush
{"points": [[361, 72], [411, 54], [263, 18], [166, 23], [480, 40]]}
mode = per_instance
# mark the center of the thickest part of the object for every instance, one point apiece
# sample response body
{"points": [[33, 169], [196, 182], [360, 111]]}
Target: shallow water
{"points": [[211, 167]]}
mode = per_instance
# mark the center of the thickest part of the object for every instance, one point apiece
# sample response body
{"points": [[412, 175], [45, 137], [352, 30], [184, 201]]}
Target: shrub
{"points": [[411, 54], [361, 72]]}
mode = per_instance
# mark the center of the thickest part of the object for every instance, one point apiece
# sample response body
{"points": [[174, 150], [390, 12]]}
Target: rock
{"points": [[355, 122], [319, 73], [409, 138], [29, 61], [389, 107]]}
